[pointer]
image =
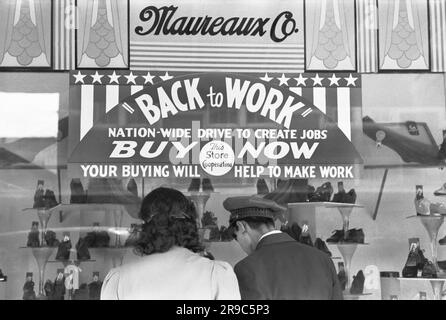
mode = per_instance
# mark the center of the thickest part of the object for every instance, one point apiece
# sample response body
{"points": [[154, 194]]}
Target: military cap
{"points": [[252, 206]]}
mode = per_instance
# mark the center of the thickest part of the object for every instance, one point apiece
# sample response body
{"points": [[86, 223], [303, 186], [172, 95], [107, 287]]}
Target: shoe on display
{"points": [[311, 194], [442, 264], [437, 209], [59, 286], [358, 283], [342, 276], [82, 250], [339, 196], [355, 236], [350, 197], [209, 219], [323, 193], [206, 185], [50, 239], [3, 278], [194, 185], [28, 288], [94, 287], [262, 187], [77, 191], [34, 236], [429, 270], [415, 261], [50, 199], [63, 251], [132, 187], [441, 191], [305, 236], [338, 236], [321, 245], [293, 230], [48, 287], [442, 241], [39, 199], [422, 205]]}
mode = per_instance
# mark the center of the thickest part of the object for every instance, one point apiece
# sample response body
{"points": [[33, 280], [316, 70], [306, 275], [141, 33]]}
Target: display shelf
{"points": [[348, 296], [432, 224], [436, 283], [307, 211], [41, 255]]}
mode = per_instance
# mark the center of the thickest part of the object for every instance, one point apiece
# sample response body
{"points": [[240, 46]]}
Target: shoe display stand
{"points": [[432, 224], [199, 199], [305, 212], [41, 255], [436, 283]]}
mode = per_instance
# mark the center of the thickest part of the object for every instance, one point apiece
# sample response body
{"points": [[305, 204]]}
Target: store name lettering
{"points": [[161, 21], [255, 97]]}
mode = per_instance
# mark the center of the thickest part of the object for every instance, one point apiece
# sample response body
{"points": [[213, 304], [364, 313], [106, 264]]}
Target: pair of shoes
{"points": [[63, 251], [206, 185], [353, 236], [34, 236], [48, 287], [78, 194], [358, 283], [321, 194], [50, 239], [262, 187], [28, 290], [344, 197], [39, 195], [424, 207], [429, 270], [321, 245]]}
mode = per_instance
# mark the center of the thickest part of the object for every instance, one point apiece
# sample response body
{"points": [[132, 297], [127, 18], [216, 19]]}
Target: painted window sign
{"points": [[403, 35], [330, 35], [102, 37], [25, 37]]}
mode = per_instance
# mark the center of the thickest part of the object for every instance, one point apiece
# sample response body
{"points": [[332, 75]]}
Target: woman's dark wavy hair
{"points": [[169, 219]]}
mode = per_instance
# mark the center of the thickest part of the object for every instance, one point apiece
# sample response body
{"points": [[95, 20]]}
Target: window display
{"points": [[292, 124]]}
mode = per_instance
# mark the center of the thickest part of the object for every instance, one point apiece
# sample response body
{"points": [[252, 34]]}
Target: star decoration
{"points": [[351, 80], [266, 78], [79, 77], [166, 77], [334, 80], [114, 77], [96, 78], [283, 80], [131, 78], [301, 80], [317, 80], [149, 78]]}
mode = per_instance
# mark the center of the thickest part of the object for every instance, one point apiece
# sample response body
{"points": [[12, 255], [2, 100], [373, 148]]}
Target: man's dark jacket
{"points": [[282, 268]]}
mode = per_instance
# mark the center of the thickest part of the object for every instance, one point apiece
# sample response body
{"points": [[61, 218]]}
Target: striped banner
{"points": [[216, 57], [92, 95], [367, 35], [437, 10], [63, 34]]}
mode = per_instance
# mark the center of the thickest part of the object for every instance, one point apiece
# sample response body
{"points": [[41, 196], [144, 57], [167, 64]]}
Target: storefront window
{"points": [[326, 118]]}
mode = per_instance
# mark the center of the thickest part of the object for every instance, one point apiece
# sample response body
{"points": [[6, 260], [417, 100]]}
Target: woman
{"points": [[171, 267]]}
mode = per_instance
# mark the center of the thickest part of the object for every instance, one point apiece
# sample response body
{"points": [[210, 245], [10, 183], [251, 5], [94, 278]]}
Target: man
{"points": [[277, 266]]}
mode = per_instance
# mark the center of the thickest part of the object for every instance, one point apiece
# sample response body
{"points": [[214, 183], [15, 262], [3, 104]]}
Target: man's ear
{"points": [[241, 226]]}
